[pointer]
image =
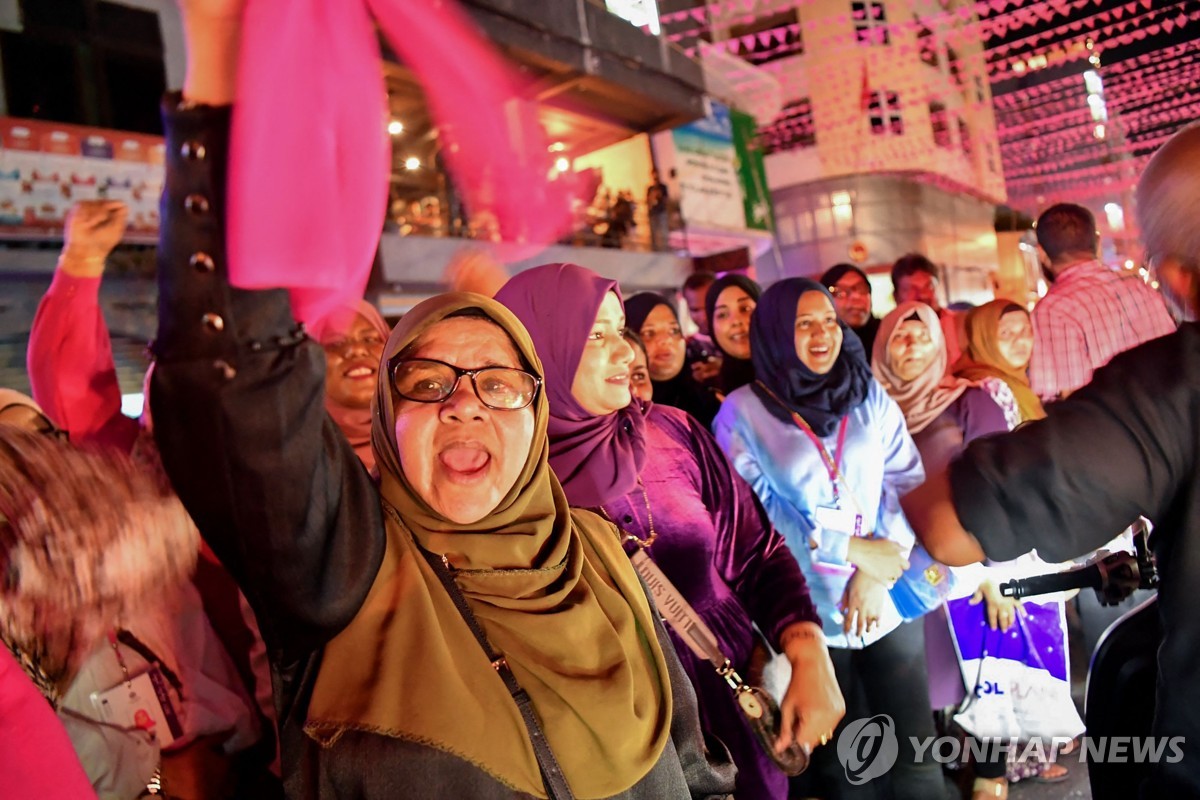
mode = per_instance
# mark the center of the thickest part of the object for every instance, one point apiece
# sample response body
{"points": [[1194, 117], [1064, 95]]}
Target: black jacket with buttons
{"points": [[238, 404]]}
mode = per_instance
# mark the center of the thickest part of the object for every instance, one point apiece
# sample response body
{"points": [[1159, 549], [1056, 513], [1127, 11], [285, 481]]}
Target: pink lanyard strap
{"points": [[832, 463]]}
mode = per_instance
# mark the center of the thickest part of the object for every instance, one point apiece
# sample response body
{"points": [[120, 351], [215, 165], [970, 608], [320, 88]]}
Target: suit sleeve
{"points": [[1121, 447]]}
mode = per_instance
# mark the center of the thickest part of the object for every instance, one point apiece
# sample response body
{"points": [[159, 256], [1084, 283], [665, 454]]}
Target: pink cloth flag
{"points": [[310, 154]]}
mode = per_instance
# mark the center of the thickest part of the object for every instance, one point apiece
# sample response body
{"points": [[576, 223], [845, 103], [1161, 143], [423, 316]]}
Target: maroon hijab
{"points": [[596, 458]]}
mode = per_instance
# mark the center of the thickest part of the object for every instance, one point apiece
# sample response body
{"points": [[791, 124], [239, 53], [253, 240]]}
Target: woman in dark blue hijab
{"points": [[829, 456], [821, 398]]}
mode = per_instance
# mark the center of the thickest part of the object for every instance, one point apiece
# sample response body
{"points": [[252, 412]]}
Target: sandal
{"points": [[989, 789], [1051, 772]]}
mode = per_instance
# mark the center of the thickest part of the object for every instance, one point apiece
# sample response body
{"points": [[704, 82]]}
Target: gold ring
{"points": [[824, 739]]}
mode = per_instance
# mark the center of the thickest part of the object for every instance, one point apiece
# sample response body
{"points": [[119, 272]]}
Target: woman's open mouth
{"points": [[464, 462]]}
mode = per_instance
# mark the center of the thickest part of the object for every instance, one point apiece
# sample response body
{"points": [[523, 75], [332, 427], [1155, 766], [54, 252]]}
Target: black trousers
{"points": [[886, 677]]}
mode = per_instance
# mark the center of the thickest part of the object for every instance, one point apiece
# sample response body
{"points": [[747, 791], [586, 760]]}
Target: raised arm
{"points": [[237, 394], [70, 358]]}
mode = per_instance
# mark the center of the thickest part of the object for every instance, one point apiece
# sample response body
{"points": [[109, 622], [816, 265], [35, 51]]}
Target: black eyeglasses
{"points": [[424, 380]]}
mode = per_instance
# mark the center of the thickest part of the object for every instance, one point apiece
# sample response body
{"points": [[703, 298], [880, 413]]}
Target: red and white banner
{"points": [[45, 167]]}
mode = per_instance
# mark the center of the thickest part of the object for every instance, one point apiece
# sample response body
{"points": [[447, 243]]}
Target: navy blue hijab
{"points": [[681, 391], [735, 372], [821, 400]]}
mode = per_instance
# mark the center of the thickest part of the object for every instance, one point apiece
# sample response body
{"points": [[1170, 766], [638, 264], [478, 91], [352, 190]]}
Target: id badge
{"points": [[144, 703], [837, 520], [842, 520]]}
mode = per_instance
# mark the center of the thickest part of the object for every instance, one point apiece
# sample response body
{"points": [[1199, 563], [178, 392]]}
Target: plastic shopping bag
{"points": [[1019, 683]]}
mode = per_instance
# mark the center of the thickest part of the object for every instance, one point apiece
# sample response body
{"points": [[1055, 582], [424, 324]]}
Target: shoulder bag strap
{"points": [[552, 774]]}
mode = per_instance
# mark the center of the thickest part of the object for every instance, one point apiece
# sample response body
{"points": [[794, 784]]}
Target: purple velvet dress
{"points": [[719, 549]]}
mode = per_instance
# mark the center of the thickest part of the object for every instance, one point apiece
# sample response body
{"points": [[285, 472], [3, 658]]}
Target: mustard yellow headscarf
{"points": [[981, 357], [555, 594]]}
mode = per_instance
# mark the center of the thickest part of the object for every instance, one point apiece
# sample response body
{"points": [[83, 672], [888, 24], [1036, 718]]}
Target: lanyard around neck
{"points": [[832, 462]]}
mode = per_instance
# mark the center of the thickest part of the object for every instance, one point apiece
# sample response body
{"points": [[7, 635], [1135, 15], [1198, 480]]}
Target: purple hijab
{"points": [[596, 458]]}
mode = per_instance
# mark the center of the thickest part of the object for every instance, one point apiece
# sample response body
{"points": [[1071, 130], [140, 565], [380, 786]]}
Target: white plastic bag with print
{"points": [[1018, 681]]}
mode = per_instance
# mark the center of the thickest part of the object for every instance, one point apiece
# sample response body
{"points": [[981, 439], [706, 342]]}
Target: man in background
{"points": [[915, 278], [1090, 312], [852, 296], [658, 210]]}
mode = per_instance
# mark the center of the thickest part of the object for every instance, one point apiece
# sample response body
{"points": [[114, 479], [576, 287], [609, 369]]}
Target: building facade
{"points": [[886, 143]]}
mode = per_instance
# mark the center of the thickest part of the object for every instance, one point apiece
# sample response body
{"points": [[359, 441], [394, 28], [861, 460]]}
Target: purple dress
{"points": [[719, 549]]}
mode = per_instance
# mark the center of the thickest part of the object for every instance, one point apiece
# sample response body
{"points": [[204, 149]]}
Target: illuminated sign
{"points": [[641, 13]]}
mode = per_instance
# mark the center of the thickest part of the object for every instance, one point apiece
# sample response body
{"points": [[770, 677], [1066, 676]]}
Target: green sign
{"points": [[752, 175]]}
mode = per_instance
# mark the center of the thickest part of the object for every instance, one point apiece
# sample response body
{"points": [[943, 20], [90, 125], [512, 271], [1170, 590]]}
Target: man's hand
{"points": [[93, 228], [930, 510]]}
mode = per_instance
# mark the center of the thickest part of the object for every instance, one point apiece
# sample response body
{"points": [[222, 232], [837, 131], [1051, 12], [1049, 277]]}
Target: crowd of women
{"points": [[434, 527]]}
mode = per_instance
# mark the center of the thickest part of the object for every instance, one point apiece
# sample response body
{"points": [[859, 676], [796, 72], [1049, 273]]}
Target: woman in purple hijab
{"points": [[659, 475]]}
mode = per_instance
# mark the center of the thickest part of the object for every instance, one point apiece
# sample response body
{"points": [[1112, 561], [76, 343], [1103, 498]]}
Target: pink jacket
{"points": [[71, 367]]}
